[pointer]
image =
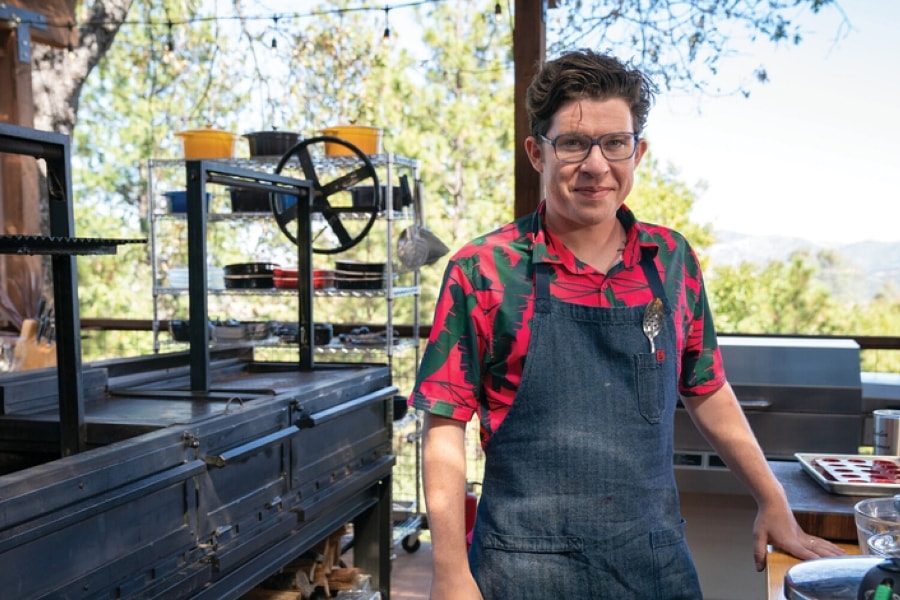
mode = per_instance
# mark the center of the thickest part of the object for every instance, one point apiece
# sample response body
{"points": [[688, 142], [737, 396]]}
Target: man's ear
{"points": [[640, 151], [534, 150]]}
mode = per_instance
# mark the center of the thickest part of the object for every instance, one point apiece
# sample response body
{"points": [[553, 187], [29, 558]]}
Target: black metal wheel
{"points": [[339, 222], [411, 543]]}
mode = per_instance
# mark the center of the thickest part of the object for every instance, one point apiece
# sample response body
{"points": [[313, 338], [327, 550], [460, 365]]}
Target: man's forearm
{"points": [[722, 422], [444, 476]]}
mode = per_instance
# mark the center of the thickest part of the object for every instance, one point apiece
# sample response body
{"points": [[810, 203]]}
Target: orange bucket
{"points": [[367, 139], [207, 143]]}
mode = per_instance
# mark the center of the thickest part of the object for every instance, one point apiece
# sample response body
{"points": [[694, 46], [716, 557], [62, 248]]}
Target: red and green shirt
{"points": [[478, 346]]}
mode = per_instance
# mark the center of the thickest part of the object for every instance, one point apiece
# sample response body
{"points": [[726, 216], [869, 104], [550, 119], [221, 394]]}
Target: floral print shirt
{"points": [[478, 346]]}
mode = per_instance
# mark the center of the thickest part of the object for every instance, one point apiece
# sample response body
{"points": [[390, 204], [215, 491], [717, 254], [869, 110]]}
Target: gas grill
{"points": [[799, 395]]}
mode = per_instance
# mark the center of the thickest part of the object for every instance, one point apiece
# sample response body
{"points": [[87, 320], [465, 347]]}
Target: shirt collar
{"points": [[547, 248]]}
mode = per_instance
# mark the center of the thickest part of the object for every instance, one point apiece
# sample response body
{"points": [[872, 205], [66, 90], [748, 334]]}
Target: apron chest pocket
{"points": [[650, 389]]}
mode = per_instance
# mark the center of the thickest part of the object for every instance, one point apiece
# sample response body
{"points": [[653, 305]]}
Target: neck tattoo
{"points": [[619, 252]]}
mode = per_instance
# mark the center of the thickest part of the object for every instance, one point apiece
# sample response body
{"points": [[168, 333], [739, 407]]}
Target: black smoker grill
{"points": [[182, 475], [192, 495]]}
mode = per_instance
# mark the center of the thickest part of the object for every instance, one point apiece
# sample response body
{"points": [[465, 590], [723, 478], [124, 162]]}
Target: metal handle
{"points": [[755, 404], [329, 414], [245, 450]]}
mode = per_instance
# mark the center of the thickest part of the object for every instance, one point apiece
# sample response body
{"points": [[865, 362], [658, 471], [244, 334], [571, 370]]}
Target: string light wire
{"points": [[169, 23], [205, 18]]}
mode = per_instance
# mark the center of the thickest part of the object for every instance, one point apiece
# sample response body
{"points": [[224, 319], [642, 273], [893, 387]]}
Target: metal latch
{"points": [[24, 20]]}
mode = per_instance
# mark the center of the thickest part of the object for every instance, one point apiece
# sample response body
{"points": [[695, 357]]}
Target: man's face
{"points": [[590, 192]]}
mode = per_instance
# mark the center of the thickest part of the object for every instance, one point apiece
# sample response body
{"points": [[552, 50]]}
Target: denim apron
{"points": [[579, 498]]}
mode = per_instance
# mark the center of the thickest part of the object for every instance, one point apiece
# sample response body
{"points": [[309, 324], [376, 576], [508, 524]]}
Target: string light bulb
{"points": [[498, 11], [169, 54], [387, 29], [274, 33], [70, 48]]}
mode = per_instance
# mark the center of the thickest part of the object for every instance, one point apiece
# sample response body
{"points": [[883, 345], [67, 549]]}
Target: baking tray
{"points": [[853, 474]]}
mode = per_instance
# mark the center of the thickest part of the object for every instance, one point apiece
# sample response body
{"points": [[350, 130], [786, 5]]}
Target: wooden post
{"points": [[20, 207], [20, 199], [529, 48]]}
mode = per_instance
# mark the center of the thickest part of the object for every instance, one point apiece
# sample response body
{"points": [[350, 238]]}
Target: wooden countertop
{"points": [[818, 512], [778, 563]]}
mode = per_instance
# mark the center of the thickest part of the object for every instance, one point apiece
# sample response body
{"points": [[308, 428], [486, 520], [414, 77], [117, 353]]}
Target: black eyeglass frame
{"points": [[597, 141]]}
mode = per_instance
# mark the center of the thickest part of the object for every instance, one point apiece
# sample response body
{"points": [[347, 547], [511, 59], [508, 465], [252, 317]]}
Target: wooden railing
{"points": [[866, 342]]}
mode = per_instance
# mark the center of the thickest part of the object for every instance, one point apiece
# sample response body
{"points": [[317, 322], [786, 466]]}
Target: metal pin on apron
{"points": [[652, 324]]}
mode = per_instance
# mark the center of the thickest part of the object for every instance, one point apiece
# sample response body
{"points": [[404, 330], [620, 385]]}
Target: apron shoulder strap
{"points": [[542, 288], [648, 264]]}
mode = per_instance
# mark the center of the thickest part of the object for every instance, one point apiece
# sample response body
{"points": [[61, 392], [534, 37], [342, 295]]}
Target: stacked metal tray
{"points": [[854, 474]]}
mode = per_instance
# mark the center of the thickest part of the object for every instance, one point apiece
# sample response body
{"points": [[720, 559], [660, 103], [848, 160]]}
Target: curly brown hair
{"points": [[586, 74]]}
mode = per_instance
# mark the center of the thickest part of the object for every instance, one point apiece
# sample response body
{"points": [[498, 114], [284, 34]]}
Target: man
{"points": [[572, 333]]}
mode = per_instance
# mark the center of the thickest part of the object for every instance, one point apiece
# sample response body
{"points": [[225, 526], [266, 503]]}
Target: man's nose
{"points": [[596, 160]]}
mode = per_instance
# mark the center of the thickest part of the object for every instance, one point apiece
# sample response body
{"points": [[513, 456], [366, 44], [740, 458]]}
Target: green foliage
{"points": [[140, 93], [777, 298], [881, 317], [323, 72], [447, 102], [788, 298], [454, 110], [660, 196], [330, 70]]}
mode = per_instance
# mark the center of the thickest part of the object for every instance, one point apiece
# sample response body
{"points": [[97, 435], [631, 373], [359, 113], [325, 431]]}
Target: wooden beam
{"points": [[529, 48], [58, 13], [19, 190]]}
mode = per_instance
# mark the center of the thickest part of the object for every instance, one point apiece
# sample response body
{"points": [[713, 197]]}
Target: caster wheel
{"points": [[411, 543]]}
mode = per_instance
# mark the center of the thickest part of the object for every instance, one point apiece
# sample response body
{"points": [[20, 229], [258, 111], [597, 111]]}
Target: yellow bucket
{"points": [[207, 143], [367, 139]]}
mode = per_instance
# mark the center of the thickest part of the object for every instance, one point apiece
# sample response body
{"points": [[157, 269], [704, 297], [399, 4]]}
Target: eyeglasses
{"points": [[575, 147]]}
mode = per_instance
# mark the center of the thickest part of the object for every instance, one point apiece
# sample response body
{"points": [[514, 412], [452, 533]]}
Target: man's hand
{"points": [[779, 528], [455, 588]]}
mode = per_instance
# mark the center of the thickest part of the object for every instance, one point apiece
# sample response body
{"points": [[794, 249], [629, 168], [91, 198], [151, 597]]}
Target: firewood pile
{"points": [[319, 574]]}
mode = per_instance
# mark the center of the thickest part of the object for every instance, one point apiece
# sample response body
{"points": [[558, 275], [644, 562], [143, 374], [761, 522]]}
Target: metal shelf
{"points": [[249, 173], [378, 160], [397, 215]]}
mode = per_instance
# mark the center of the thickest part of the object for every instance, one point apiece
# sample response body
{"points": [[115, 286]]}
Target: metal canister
{"points": [[322, 334], [887, 432]]}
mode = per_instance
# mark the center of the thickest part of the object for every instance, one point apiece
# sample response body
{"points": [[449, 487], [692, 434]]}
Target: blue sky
{"points": [[811, 154]]}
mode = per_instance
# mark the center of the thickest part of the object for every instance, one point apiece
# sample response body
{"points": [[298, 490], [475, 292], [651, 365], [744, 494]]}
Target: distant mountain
{"points": [[858, 272]]}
